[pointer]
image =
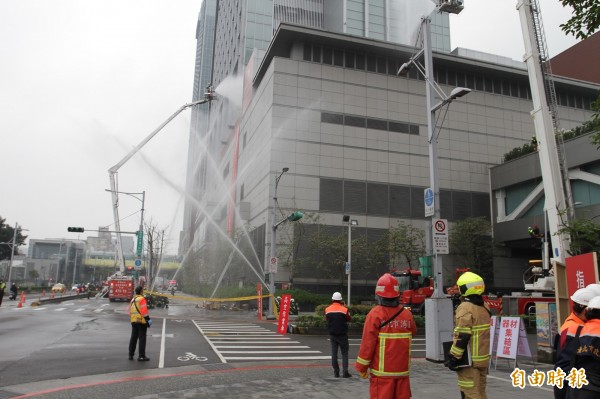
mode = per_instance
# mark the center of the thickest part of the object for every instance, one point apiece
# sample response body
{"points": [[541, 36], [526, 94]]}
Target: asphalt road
{"points": [[78, 348], [90, 336]]}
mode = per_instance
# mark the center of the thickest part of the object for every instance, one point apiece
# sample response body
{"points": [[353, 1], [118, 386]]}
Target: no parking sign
{"points": [[440, 236]]}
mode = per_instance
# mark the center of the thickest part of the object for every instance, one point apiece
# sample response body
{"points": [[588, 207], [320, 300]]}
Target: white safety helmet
{"points": [[595, 288], [594, 303], [583, 296], [336, 296]]}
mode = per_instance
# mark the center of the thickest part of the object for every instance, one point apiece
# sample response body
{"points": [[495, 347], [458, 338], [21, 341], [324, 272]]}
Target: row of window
{"points": [[391, 200], [369, 123], [456, 78]]}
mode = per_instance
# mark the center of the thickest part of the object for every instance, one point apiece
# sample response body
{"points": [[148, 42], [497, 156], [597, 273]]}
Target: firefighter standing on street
{"points": [[140, 321], [471, 334], [564, 342], [338, 316], [386, 342], [587, 354]]}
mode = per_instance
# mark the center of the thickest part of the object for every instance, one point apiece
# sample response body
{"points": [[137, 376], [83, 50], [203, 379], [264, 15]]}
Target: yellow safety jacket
{"points": [[138, 309], [472, 328]]}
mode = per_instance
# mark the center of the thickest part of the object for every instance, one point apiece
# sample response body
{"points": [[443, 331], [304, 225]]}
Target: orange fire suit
{"points": [[386, 351], [588, 358], [565, 350], [472, 329]]}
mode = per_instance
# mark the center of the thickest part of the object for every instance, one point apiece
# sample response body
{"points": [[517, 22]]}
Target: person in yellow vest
{"points": [[140, 321], [471, 334]]}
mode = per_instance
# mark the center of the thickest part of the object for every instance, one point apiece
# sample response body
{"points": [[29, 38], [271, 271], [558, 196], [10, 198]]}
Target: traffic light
{"points": [[75, 229], [295, 216]]}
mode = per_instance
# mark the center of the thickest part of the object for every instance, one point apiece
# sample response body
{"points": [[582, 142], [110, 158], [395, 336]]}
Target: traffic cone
{"points": [[22, 296], [20, 304]]}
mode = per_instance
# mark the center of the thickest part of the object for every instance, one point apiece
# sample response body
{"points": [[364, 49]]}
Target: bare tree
{"points": [[156, 239]]}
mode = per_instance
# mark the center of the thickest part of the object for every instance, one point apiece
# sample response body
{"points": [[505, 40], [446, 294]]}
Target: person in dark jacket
{"points": [[13, 292], [338, 316], [564, 342], [587, 356]]}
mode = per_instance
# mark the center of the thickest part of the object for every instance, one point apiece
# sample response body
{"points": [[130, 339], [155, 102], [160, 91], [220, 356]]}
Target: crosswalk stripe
{"points": [[239, 341]]}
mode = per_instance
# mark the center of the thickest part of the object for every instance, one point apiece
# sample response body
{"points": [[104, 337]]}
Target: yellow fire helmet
{"points": [[470, 283]]}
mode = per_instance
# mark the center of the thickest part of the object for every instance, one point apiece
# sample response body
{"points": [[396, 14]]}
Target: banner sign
{"points": [[259, 300], [582, 270], [284, 312], [512, 339]]}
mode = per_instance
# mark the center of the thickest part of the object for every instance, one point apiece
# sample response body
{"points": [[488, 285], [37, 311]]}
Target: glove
{"points": [[452, 363], [149, 323], [364, 375]]}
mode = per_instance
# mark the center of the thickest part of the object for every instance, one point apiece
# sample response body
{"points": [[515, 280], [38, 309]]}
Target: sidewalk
{"points": [[267, 380]]}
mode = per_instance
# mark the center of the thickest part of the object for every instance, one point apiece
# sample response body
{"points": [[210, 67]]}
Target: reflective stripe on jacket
{"points": [[337, 319], [472, 327], [138, 309], [386, 350]]}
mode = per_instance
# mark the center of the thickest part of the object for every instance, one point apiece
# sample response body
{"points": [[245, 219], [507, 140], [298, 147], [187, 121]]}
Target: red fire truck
{"points": [[539, 287], [414, 289], [120, 288]]}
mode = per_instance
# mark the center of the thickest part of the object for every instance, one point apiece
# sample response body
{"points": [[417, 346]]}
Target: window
{"points": [[371, 64], [398, 127], [327, 55], [377, 124], [360, 61], [316, 56], [327, 117], [307, 52], [338, 58], [354, 121], [349, 59]]}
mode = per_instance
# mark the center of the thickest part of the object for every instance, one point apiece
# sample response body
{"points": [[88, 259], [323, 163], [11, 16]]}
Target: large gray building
{"points": [[330, 107]]}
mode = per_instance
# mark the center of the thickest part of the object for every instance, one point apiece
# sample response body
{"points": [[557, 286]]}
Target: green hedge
{"points": [[358, 312]]}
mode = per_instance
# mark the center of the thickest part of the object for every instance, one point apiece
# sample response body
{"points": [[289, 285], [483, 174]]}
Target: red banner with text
{"points": [[284, 312]]}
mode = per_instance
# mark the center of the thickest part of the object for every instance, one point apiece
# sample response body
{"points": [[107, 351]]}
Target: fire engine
{"points": [[120, 288], [414, 289], [539, 287]]}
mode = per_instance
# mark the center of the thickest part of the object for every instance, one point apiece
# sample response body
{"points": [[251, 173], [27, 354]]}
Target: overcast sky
{"points": [[84, 81]]}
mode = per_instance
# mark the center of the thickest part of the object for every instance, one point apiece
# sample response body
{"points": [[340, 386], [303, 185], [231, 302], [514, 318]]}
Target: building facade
{"points": [[330, 107]]}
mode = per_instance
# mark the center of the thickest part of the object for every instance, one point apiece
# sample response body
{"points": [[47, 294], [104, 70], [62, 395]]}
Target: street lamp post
{"points": [[12, 251], [438, 308], [140, 235], [272, 267], [346, 219]]}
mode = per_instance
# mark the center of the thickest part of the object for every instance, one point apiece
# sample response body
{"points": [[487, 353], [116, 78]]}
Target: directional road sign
{"points": [[429, 202]]}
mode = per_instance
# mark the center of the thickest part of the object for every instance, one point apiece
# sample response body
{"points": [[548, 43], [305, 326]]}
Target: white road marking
{"points": [[161, 360], [238, 341]]}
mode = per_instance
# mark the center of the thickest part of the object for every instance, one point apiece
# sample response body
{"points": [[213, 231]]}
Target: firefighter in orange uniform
{"points": [[140, 321], [564, 342], [587, 354], [472, 331], [386, 342]]}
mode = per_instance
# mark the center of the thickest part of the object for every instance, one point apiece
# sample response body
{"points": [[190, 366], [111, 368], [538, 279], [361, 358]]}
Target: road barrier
{"points": [[61, 298]]}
